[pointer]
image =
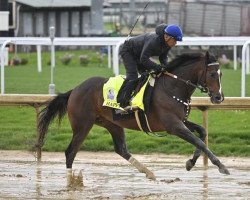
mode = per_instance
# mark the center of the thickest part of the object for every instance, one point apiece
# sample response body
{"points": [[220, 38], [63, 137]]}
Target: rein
{"points": [[188, 82]]}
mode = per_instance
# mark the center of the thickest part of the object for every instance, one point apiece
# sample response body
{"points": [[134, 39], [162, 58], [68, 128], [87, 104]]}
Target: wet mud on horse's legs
{"points": [[108, 176]]}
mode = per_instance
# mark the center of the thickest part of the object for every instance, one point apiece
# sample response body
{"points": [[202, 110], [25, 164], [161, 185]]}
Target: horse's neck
{"points": [[181, 89], [189, 72]]}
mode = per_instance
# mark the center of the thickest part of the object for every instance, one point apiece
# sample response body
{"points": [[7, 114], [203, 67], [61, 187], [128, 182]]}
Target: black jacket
{"points": [[147, 45]]}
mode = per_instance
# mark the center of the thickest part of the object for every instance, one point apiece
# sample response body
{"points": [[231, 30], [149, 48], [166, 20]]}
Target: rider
{"points": [[136, 53]]}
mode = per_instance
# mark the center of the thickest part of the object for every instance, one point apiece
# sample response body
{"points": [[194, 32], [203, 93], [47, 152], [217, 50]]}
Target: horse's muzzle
{"points": [[217, 98]]}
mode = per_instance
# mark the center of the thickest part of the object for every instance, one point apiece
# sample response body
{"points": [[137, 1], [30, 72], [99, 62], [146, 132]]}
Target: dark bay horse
{"points": [[168, 112]]}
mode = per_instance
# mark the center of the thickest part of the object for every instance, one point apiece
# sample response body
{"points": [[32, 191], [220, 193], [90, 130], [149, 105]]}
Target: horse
{"points": [[169, 109]]}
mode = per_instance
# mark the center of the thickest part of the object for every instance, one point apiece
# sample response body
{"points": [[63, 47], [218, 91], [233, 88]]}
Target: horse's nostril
{"points": [[218, 98]]}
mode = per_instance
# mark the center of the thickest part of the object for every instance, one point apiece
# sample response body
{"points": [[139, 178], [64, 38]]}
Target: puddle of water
{"points": [[107, 176]]}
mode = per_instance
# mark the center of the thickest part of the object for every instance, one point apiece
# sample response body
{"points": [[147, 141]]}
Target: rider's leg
{"points": [[130, 83]]}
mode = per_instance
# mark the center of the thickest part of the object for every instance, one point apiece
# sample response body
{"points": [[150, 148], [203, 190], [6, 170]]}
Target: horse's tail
{"points": [[56, 107]]}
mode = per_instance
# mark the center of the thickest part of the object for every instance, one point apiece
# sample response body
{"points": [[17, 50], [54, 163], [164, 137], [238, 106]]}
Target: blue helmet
{"points": [[174, 31]]}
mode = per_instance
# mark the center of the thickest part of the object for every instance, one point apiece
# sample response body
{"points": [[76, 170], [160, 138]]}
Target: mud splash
{"points": [[107, 176]]}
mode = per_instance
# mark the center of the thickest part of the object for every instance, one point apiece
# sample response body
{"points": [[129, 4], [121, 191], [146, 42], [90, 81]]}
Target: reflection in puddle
{"points": [[38, 181], [205, 186]]}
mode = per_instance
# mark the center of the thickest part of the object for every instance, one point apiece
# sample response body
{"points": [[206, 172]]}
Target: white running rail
{"points": [[115, 42]]}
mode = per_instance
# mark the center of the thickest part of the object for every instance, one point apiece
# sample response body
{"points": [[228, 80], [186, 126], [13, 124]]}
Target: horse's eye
{"points": [[213, 74]]}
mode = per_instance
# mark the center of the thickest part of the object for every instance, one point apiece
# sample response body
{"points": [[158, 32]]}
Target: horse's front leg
{"points": [[120, 146], [184, 133], [142, 168], [202, 133]]}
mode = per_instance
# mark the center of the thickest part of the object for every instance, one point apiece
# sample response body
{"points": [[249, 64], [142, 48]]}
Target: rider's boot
{"points": [[126, 91]]}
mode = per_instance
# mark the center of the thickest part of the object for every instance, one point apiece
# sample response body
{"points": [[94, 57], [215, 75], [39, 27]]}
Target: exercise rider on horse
{"points": [[137, 51]]}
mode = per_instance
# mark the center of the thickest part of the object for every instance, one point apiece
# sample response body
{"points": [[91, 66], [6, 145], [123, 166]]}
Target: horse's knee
{"points": [[202, 131], [123, 153], [199, 129], [119, 140]]}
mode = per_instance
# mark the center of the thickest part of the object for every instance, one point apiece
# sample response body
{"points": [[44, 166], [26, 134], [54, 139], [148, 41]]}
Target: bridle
{"points": [[202, 86]]}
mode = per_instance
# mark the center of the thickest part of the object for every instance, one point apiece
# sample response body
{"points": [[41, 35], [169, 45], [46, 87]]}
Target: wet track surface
{"points": [[108, 176]]}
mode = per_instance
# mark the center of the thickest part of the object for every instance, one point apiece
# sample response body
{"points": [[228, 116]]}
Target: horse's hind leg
{"points": [[80, 128], [81, 125], [202, 132], [120, 146]]}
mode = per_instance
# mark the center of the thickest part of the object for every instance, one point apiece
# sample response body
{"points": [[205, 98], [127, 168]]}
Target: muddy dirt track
{"points": [[107, 176]]}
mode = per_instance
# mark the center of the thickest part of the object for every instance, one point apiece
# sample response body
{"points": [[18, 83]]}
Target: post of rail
{"points": [[243, 68], [2, 64], [116, 57], [204, 110], [235, 57], [39, 58], [109, 56], [52, 61], [247, 60], [205, 125]]}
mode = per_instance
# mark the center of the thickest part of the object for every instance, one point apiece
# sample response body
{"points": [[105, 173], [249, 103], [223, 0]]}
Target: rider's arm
{"points": [[147, 52], [163, 58]]}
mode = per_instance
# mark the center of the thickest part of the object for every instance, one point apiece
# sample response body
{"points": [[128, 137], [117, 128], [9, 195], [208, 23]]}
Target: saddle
{"points": [[139, 104]]}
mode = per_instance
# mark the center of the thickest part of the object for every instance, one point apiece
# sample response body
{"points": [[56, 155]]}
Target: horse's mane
{"points": [[184, 59], [180, 60]]}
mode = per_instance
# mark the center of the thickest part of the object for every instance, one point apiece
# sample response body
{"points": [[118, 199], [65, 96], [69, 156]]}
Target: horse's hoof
{"points": [[224, 170], [151, 176], [189, 165]]}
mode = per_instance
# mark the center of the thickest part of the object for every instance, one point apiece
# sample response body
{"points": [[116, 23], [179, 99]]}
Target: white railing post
{"points": [[52, 61], [116, 57], [109, 56], [39, 58], [243, 68], [235, 57], [115, 60], [247, 61], [2, 52]]}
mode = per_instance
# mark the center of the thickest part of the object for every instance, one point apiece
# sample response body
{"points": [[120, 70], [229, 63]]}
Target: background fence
{"points": [[211, 18]]}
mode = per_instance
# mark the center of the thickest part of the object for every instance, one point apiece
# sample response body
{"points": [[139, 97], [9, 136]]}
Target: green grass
{"points": [[26, 79], [228, 130]]}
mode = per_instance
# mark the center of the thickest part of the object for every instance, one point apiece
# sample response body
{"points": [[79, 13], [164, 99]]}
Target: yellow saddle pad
{"points": [[111, 89]]}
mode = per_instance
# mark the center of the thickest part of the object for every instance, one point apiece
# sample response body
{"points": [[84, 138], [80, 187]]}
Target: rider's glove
{"points": [[164, 68]]}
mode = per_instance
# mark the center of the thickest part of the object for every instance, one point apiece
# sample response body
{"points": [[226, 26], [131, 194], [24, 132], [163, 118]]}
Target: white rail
{"points": [[115, 42], [245, 67]]}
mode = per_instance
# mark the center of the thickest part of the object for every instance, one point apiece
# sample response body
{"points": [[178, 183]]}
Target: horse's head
{"points": [[199, 71], [211, 79]]}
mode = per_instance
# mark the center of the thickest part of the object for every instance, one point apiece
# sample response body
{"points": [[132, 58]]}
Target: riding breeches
{"points": [[129, 62]]}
